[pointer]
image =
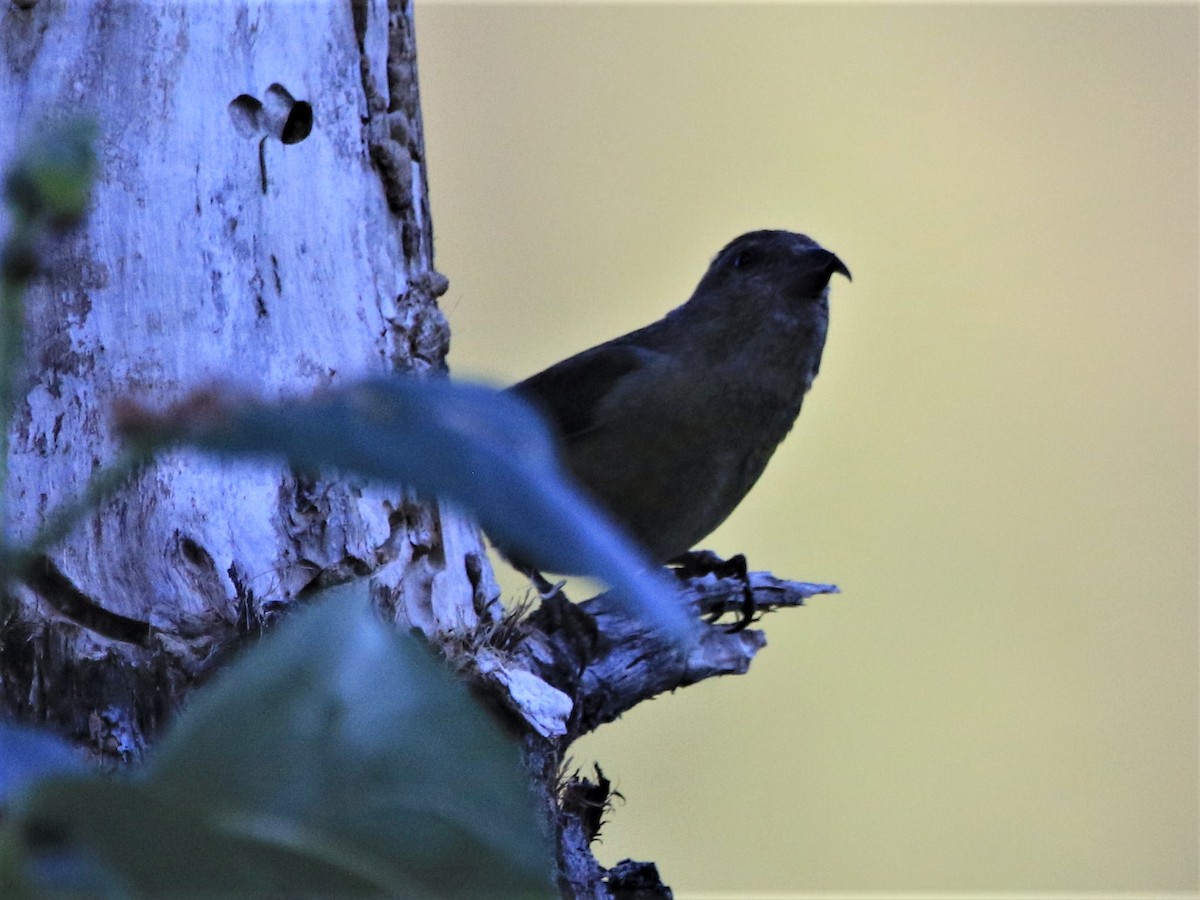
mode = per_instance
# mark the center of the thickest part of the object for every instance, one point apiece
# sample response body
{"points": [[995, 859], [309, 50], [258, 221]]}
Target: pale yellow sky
{"points": [[998, 462]]}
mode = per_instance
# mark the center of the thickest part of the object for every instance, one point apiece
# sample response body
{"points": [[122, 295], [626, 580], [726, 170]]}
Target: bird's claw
{"points": [[697, 563], [545, 589]]}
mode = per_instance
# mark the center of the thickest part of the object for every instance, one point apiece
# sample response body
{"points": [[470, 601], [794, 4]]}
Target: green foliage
{"points": [[51, 180], [481, 448], [46, 189], [338, 759], [27, 755]]}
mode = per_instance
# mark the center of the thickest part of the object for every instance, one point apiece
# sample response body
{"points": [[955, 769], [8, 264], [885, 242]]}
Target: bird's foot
{"points": [[573, 638], [697, 563], [545, 589]]}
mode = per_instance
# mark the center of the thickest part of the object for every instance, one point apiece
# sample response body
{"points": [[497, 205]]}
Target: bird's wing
{"points": [[571, 392]]}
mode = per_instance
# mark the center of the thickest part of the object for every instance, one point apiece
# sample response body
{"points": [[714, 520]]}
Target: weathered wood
{"points": [[565, 669], [261, 220]]}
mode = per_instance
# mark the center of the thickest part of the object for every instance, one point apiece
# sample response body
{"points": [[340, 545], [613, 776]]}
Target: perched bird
{"points": [[668, 427]]}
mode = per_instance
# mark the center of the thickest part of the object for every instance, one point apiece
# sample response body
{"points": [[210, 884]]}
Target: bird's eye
{"points": [[744, 258]]}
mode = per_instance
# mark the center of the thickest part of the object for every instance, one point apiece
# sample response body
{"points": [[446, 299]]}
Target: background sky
{"points": [[998, 461]]}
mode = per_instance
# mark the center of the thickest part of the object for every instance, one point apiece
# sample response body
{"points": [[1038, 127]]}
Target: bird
{"points": [[668, 427]]}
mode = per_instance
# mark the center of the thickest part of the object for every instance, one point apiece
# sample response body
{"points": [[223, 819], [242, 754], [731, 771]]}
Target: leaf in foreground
{"points": [[483, 449], [337, 758]]}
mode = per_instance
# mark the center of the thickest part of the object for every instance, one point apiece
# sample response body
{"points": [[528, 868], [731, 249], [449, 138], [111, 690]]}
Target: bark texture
{"points": [[567, 669], [260, 219]]}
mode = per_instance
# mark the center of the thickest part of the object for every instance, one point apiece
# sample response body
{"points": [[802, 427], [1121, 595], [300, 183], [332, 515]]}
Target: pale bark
{"points": [[214, 251], [581, 666], [227, 242]]}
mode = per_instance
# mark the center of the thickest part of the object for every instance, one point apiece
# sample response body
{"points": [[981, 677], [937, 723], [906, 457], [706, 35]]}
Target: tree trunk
{"points": [[261, 221]]}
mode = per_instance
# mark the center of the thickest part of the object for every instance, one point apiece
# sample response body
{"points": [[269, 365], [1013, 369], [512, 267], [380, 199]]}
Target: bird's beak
{"points": [[836, 265]]}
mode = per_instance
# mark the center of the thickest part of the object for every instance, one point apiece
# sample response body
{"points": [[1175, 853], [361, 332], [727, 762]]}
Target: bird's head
{"points": [[782, 260]]}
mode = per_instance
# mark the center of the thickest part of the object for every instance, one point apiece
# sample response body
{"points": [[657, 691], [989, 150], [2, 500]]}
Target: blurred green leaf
{"points": [[337, 759], [27, 754], [46, 187], [51, 179], [117, 837], [486, 450]]}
